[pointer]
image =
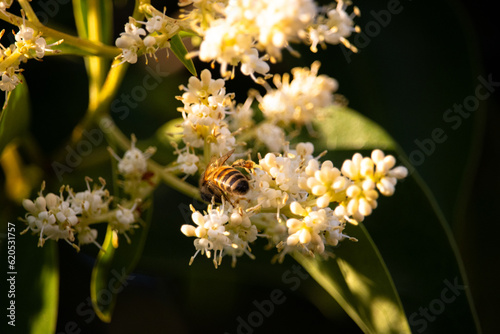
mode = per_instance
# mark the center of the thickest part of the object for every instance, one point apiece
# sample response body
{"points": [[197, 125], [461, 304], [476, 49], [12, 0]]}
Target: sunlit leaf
{"points": [[180, 51], [94, 19], [373, 280], [35, 284], [113, 267], [170, 132], [346, 129], [359, 281], [15, 114], [117, 260]]}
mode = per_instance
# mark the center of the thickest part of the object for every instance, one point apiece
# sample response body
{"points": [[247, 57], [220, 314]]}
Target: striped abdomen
{"points": [[230, 180]]}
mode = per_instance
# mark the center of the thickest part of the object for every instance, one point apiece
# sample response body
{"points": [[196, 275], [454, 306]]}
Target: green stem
{"points": [[30, 13], [116, 136], [90, 47]]}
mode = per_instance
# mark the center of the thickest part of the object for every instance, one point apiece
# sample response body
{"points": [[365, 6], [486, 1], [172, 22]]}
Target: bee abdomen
{"points": [[232, 181]]}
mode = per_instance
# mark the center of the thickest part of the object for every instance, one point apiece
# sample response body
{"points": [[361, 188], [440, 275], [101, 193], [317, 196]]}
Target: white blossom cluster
{"points": [[295, 201], [212, 120], [135, 40], [59, 217], [205, 126], [241, 32], [311, 201], [252, 32], [70, 217], [297, 101], [29, 44]]}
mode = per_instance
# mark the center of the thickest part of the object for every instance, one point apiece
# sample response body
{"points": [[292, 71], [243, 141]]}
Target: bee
{"points": [[221, 180]]}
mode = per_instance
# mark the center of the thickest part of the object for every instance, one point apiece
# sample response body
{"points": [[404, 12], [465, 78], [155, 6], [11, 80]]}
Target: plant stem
{"points": [[30, 14], [90, 47], [116, 136]]}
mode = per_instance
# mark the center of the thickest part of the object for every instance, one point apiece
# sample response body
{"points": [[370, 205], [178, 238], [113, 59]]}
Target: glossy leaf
{"points": [[359, 281], [113, 266], [35, 274], [94, 19], [346, 129], [116, 261], [180, 51], [15, 115], [410, 234]]}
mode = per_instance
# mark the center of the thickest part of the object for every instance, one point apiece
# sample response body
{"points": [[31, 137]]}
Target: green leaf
{"points": [[45, 320], [180, 51], [346, 129], [413, 260], [36, 284], [359, 281], [94, 19], [97, 15], [80, 10], [110, 274], [15, 115]]}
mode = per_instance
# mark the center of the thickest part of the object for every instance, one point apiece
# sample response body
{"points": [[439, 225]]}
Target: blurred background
{"points": [[412, 67]]}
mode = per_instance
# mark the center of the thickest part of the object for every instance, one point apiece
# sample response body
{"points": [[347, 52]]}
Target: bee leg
{"points": [[220, 193], [248, 165]]}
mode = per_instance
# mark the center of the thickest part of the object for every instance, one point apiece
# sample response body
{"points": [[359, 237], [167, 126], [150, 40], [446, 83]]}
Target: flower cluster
{"points": [[138, 181], [70, 217], [236, 32], [296, 201], [300, 190], [297, 101], [221, 232], [212, 120], [29, 44], [205, 107], [242, 32], [134, 41], [58, 217]]}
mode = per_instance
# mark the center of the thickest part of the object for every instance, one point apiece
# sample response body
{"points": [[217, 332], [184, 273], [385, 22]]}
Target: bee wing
{"points": [[220, 161]]}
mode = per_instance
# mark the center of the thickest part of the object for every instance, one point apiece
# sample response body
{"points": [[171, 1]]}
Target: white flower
{"points": [[156, 23], [333, 26], [87, 236], [251, 63], [324, 183], [90, 203], [56, 217], [223, 141], [134, 161], [66, 214], [211, 233], [5, 4], [299, 100], [272, 136], [130, 41], [198, 91], [241, 26], [28, 39], [25, 34], [369, 174], [317, 229], [9, 80], [125, 218], [277, 180], [188, 163], [41, 47]]}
